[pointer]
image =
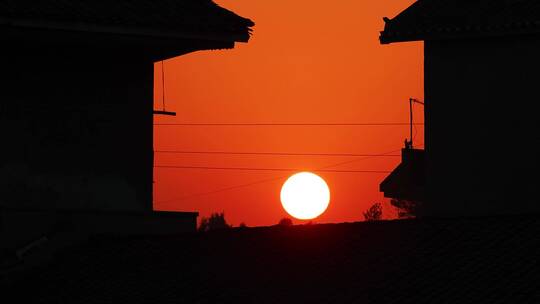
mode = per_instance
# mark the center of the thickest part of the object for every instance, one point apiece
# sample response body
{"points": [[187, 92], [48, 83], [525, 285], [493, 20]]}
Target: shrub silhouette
{"points": [[374, 213], [216, 221], [285, 222]]}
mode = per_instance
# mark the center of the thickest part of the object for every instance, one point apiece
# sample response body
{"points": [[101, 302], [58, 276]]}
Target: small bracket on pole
{"points": [[163, 112]]}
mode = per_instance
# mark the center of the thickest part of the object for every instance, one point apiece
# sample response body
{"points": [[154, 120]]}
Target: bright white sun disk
{"points": [[305, 195]]}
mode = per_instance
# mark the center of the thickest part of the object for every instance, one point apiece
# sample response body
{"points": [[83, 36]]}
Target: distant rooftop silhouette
{"points": [[448, 19]]}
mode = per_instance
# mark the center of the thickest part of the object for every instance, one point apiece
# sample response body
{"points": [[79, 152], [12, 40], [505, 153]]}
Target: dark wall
{"points": [[76, 127], [482, 132], [33, 238], [22, 227]]}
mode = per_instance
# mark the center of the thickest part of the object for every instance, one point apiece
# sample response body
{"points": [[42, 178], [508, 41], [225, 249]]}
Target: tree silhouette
{"points": [[285, 222], [216, 221], [374, 213], [406, 208]]}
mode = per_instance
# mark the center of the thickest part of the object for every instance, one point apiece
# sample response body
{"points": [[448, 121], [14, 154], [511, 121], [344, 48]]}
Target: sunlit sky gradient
{"points": [[307, 62]]}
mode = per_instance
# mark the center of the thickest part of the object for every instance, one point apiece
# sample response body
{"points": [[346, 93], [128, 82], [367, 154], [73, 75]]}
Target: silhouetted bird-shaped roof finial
{"points": [[408, 144]]}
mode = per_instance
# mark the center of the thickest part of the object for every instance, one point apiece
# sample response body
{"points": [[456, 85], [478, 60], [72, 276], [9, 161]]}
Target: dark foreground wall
{"points": [[76, 127], [33, 237], [482, 132]]}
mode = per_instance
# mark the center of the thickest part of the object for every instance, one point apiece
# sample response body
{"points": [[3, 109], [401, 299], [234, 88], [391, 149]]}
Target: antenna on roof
{"points": [[409, 143], [163, 111]]}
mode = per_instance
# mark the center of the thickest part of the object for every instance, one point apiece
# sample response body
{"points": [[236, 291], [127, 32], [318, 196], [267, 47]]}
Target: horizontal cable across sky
{"points": [[240, 186], [270, 169], [285, 124], [275, 153]]}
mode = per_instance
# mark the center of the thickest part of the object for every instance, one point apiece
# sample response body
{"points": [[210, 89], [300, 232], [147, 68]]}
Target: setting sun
{"points": [[305, 195]]}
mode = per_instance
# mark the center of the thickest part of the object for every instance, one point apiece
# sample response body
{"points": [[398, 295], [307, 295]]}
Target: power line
{"points": [[275, 153], [264, 180], [223, 189], [284, 124], [363, 158], [254, 183], [269, 169]]}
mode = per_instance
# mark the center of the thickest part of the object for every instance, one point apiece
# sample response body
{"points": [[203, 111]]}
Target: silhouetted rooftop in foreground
{"points": [[160, 18], [474, 260], [450, 19]]}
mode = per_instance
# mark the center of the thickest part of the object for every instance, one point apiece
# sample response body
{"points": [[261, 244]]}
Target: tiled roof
{"points": [[474, 260], [160, 16], [448, 19]]}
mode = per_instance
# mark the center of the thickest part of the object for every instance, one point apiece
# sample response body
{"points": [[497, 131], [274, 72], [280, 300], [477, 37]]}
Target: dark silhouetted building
{"points": [[76, 108], [481, 65], [407, 181]]}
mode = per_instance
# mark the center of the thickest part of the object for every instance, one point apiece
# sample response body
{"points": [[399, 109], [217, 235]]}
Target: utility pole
{"points": [[163, 111], [409, 143]]}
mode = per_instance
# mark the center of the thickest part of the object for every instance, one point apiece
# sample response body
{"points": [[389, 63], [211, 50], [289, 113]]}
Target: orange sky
{"points": [[307, 62]]}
